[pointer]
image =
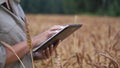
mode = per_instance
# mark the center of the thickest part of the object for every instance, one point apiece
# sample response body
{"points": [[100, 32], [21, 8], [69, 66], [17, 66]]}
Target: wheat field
{"points": [[95, 45]]}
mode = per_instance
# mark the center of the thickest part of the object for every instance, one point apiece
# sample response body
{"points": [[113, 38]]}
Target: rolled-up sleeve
{"points": [[2, 56]]}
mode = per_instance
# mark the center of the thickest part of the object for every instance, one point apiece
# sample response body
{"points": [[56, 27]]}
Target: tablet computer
{"points": [[61, 35]]}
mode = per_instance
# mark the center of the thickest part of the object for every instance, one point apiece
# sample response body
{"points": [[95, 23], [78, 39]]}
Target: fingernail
{"points": [[47, 48], [62, 27], [43, 51], [52, 46], [57, 31]]}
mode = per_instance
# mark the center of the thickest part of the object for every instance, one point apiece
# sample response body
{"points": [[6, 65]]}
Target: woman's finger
{"points": [[44, 54], [51, 49], [47, 52], [37, 55], [57, 27], [56, 44]]}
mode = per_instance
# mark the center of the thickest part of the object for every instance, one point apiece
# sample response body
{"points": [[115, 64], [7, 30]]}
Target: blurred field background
{"points": [[95, 45]]}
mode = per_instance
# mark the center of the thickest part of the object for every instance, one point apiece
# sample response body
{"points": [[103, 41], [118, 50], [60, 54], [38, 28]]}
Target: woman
{"points": [[12, 32]]}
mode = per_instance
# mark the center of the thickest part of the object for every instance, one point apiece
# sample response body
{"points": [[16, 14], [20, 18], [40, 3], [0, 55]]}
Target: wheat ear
{"points": [[10, 48], [29, 42]]}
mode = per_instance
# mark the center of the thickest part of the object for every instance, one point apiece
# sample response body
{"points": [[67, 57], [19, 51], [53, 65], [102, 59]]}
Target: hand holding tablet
{"points": [[60, 35]]}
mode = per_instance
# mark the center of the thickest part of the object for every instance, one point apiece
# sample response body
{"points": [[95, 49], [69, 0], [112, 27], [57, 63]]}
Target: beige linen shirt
{"points": [[12, 32]]}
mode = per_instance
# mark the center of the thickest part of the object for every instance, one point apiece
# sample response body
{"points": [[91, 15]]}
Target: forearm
{"points": [[21, 50]]}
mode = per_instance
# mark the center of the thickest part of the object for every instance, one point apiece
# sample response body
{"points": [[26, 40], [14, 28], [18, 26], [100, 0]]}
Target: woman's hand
{"points": [[45, 54], [45, 35]]}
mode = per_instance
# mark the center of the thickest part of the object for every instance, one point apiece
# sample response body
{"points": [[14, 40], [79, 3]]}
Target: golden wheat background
{"points": [[95, 45]]}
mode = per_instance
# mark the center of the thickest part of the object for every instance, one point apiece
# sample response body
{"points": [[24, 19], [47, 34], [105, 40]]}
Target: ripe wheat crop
{"points": [[95, 45]]}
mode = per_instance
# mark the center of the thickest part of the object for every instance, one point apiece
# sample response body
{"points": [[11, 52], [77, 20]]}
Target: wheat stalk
{"points": [[58, 60], [29, 42], [107, 55], [66, 62]]}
